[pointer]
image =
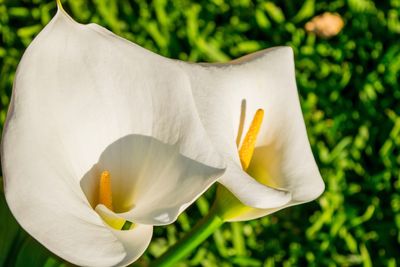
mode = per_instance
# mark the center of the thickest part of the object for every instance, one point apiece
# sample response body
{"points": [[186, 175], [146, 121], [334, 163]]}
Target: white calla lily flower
{"points": [[227, 97], [101, 132]]}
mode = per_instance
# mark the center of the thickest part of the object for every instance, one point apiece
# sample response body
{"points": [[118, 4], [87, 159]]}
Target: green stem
{"points": [[195, 237], [237, 238]]}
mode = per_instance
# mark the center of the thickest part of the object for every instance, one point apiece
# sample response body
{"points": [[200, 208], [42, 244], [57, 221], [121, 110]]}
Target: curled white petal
{"points": [[251, 192], [78, 90], [152, 182], [227, 93]]}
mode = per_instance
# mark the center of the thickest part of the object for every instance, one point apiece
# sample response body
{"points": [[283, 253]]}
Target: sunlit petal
{"points": [[227, 96], [78, 90]]}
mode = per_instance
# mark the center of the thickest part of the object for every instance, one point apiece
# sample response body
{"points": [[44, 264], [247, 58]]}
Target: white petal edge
{"points": [[251, 192], [152, 182], [135, 241]]}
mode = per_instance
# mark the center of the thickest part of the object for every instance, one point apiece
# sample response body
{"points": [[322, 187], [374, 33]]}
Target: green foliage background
{"points": [[350, 95]]}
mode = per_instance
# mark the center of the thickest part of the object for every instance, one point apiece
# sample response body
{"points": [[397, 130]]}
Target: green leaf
{"points": [[32, 253], [9, 230], [262, 20], [17, 248], [274, 12], [306, 11]]}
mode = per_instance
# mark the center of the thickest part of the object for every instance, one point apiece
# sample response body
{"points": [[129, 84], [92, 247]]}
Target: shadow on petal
{"points": [[265, 166]]}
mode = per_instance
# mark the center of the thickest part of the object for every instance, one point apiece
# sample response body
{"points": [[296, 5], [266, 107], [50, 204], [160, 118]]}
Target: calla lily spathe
{"points": [[227, 97], [86, 101]]}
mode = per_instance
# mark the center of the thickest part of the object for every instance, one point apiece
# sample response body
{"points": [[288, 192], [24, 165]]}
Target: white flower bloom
{"points": [[227, 97], [86, 101]]}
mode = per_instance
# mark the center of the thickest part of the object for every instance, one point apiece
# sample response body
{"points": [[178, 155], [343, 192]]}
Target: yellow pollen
{"points": [[247, 149], [105, 194]]}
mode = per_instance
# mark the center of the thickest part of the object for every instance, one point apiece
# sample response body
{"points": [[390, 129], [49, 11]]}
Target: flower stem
{"points": [[195, 237]]}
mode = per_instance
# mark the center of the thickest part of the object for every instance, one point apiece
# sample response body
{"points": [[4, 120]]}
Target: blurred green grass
{"points": [[350, 95]]}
